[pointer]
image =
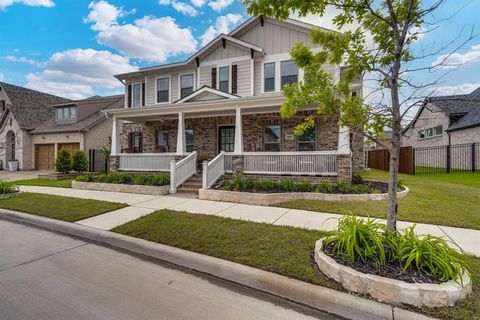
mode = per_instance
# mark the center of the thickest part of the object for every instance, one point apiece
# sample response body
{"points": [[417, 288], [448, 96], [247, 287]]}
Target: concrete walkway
{"points": [[140, 205]]}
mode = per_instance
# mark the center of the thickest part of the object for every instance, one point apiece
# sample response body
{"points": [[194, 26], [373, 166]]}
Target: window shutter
{"points": [[214, 78], [130, 141], [234, 79], [141, 142], [143, 94], [129, 95]]}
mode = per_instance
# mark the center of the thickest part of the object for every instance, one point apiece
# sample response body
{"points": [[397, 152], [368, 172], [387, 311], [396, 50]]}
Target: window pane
{"points": [[163, 84], [163, 87], [189, 140], [224, 86], [73, 113], [289, 80], [162, 96], [59, 114], [289, 68], [66, 113], [272, 134], [421, 134], [270, 70], [269, 85], [186, 91], [186, 81], [438, 130], [272, 147], [306, 146], [136, 95], [308, 135], [223, 74]]}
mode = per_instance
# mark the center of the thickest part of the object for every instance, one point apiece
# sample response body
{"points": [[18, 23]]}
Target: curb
{"points": [[325, 299]]}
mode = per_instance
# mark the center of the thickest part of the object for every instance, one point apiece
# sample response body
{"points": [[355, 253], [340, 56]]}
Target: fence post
{"points": [[448, 159], [473, 158], [205, 174], [413, 160], [173, 188]]}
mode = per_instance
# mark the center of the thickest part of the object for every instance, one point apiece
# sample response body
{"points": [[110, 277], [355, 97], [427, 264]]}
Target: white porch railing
{"points": [[213, 170], [293, 163], [145, 161], [182, 171]]}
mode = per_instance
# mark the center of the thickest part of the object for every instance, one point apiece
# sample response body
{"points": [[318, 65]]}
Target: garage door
{"points": [[44, 156], [70, 147]]}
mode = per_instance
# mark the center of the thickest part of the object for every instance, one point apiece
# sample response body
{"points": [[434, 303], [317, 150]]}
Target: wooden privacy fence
{"points": [[380, 159]]}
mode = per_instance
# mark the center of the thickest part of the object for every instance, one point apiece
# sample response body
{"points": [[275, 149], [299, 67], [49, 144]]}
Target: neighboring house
{"points": [[74, 125], [384, 141], [226, 97], [446, 120], [22, 110]]}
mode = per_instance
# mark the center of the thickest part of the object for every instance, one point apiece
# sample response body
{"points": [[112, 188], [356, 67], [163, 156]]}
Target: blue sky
{"points": [[73, 47]]}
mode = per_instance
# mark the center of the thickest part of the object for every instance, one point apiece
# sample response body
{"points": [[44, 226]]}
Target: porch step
{"points": [[191, 186]]}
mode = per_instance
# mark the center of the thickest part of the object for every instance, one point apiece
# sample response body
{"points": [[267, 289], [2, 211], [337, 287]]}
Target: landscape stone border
{"points": [[267, 199], [389, 290], [127, 188]]}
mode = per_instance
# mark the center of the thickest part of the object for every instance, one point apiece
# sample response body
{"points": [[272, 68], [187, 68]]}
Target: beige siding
{"points": [[97, 137], [175, 94], [471, 135], [206, 76], [230, 51], [257, 77], [150, 90], [244, 78], [427, 119], [275, 38]]}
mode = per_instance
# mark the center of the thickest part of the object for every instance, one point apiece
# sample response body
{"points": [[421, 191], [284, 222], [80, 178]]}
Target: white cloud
{"points": [[22, 60], [150, 39], [463, 88], [181, 7], [103, 15], [198, 3], [32, 3], [456, 59], [77, 73], [223, 24], [219, 5]]}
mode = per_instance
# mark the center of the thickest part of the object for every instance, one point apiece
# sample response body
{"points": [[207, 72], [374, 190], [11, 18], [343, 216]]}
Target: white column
{"points": [[238, 146], [115, 148], [181, 147], [343, 140]]}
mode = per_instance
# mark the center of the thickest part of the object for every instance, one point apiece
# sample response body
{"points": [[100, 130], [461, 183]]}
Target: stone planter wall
{"points": [[59, 176], [389, 290], [127, 188], [267, 199]]}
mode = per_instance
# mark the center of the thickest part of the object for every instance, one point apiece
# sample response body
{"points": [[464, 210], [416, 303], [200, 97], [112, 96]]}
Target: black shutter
{"points": [[143, 94], [234, 79], [214, 78], [129, 96]]}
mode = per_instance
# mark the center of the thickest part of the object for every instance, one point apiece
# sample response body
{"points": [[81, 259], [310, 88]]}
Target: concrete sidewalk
{"points": [[140, 205]]}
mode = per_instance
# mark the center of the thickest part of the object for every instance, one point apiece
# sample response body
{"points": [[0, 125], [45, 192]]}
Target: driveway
{"points": [[44, 275], [6, 175]]}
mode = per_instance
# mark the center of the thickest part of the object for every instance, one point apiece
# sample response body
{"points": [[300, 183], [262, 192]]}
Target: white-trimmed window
{"points": [[269, 77], [66, 114], [189, 140], [307, 141], [438, 130], [163, 90], [288, 72], [272, 137], [186, 85], [136, 95], [430, 132], [223, 79], [162, 141]]}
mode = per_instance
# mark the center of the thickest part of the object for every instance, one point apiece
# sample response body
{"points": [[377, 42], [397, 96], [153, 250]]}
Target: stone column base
{"points": [[114, 163], [237, 164], [344, 167]]}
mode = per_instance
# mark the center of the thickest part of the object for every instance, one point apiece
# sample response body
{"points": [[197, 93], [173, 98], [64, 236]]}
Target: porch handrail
{"points": [[182, 170], [213, 170], [145, 161]]}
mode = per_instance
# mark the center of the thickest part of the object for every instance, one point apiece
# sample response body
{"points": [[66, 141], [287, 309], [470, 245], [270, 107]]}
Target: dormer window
{"points": [[223, 78], [66, 114], [136, 95]]}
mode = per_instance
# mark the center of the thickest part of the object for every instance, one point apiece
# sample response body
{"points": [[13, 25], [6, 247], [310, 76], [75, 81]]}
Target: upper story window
{"points": [[186, 85], [269, 77], [66, 114], [307, 141], [223, 78], [430, 132], [136, 95], [272, 137], [289, 72], [163, 90]]}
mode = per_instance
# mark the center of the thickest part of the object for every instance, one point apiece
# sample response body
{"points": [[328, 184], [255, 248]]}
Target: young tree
{"points": [[379, 43], [79, 161], [63, 163]]}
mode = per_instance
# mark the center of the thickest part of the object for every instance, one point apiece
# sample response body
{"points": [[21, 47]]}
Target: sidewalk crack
{"points": [[281, 216]]}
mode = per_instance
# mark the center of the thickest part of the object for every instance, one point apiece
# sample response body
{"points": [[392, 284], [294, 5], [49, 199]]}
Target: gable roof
{"points": [[29, 107], [463, 110], [92, 114], [207, 89]]}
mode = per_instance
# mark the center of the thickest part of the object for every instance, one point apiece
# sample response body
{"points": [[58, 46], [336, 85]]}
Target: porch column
{"points": [[238, 146], [181, 147], [344, 140], [115, 148]]}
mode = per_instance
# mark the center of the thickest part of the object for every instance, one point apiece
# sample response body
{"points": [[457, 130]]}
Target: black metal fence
{"points": [[445, 159], [97, 161]]}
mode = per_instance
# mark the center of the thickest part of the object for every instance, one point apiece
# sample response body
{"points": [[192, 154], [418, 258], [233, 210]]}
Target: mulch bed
{"points": [[391, 270]]}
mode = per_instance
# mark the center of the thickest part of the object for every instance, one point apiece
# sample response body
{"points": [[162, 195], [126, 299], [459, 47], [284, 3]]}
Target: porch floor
{"points": [[144, 204]]}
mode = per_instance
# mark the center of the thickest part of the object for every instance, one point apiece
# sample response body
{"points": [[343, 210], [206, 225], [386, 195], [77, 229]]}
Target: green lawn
{"points": [[444, 199], [284, 250], [62, 183], [57, 207]]}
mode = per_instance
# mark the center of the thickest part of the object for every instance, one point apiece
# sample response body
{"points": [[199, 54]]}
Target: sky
{"points": [[72, 48]]}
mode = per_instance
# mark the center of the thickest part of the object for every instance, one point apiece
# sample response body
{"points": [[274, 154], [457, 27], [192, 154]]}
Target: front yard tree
{"points": [[378, 43]]}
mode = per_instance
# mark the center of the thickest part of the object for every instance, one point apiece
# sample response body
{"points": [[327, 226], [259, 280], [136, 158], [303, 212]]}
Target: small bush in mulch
{"points": [[357, 186], [127, 178], [8, 189], [364, 245]]}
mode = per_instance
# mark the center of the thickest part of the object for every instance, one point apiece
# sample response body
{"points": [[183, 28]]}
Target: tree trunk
{"points": [[393, 180]]}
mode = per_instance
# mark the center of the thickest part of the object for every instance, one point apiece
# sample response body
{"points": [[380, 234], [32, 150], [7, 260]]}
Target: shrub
{"points": [[63, 163], [127, 178], [7, 188], [79, 161], [344, 186], [288, 185], [325, 187]]}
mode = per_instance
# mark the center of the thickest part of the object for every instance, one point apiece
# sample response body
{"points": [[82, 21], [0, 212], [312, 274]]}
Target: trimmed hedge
{"points": [[127, 178]]}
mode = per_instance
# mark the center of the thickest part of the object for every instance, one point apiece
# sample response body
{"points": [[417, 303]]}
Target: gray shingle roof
{"points": [[89, 112], [30, 107]]}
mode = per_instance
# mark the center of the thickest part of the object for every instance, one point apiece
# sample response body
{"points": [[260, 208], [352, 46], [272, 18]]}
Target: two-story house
{"points": [[223, 103]]}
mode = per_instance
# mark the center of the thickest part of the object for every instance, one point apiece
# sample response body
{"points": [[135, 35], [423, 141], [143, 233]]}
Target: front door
{"points": [[226, 138]]}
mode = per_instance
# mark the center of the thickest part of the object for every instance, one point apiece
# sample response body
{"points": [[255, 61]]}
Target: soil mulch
{"points": [[391, 270]]}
